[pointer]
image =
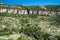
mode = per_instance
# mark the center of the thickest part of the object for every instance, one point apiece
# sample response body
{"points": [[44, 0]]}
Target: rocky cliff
{"points": [[49, 10]]}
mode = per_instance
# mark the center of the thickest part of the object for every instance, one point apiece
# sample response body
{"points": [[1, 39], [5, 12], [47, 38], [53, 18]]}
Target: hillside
{"points": [[19, 6], [29, 27], [17, 26]]}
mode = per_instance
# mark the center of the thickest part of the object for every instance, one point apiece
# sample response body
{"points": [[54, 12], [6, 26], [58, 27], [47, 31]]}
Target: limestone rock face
{"points": [[3, 10], [21, 11]]}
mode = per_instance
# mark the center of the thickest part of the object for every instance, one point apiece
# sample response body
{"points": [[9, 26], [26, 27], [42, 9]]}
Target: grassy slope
{"points": [[13, 23]]}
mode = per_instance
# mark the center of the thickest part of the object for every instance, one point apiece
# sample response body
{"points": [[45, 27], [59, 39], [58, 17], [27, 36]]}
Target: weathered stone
{"points": [[20, 11]]}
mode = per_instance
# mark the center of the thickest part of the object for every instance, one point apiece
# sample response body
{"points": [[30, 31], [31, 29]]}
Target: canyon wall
{"points": [[19, 11]]}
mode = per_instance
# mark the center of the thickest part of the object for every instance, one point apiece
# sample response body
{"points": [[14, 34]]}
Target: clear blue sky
{"points": [[32, 2]]}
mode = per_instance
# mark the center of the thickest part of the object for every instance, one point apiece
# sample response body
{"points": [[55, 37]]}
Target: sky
{"points": [[32, 2]]}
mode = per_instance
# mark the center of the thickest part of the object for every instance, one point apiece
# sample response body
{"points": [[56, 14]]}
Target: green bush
{"points": [[33, 31], [5, 32]]}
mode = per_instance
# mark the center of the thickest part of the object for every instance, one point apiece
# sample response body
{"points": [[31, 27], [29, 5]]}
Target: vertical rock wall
{"points": [[19, 11]]}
